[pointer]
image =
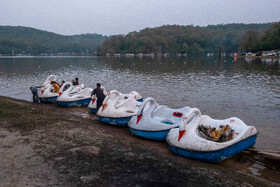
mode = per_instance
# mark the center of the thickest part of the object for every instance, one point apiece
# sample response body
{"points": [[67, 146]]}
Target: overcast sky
{"points": [[109, 17]]}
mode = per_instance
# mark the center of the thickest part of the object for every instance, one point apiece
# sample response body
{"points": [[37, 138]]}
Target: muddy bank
{"points": [[48, 145]]}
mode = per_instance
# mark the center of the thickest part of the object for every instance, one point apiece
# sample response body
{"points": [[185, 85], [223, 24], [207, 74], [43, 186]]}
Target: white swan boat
{"points": [[93, 103], [74, 95], [46, 95], [154, 121], [188, 142], [118, 108]]}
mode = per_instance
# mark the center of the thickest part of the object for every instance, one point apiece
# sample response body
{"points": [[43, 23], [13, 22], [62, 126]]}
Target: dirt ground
{"points": [[46, 145]]}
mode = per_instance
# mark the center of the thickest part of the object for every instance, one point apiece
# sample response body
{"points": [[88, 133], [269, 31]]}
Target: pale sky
{"points": [[110, 17]]}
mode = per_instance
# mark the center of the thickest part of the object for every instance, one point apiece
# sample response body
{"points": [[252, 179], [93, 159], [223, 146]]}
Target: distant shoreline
{"points": [[274, 57], [155, 56]]}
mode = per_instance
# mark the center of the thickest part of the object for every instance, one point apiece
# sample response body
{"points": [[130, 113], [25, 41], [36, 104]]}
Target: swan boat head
{"points": [[49, 79], [46, 91], [190, 122]]}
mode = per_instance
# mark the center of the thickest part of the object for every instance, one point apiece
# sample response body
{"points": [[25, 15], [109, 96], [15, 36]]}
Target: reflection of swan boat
{"points": [[74, 95], [93, 103], [118, 108], [187, 141], [154, 122], [46, 95]]}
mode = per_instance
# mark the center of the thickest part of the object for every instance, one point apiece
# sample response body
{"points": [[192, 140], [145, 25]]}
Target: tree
{"points": [[271, 38], [250, 40]]}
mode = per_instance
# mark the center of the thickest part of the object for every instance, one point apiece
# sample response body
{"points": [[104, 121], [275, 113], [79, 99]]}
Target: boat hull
{"points": [[115, 121], [77, 103], [48, 99], [216, 156], [153, 135], [93, 110]]}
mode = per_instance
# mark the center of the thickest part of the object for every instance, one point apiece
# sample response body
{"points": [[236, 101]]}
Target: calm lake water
{"points": [[245, 88]]}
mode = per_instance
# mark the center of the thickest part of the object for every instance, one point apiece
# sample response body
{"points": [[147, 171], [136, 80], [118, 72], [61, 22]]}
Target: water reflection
{"points": [[252, 164], [245, 88]]}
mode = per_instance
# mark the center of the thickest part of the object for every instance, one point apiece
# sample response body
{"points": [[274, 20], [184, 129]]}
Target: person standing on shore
{"points": [[99, 94], [34, 90]]}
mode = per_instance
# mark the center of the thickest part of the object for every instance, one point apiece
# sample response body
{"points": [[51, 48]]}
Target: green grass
{"points": [[8, 114]]}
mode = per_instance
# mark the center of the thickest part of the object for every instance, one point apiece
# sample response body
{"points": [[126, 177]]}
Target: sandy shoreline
{"points": [[47, 145]]}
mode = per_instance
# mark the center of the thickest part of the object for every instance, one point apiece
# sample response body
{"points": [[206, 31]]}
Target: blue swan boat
{"points": [[154, 121], [187, 141], [46, 95], [117, 108], [73, 96]]}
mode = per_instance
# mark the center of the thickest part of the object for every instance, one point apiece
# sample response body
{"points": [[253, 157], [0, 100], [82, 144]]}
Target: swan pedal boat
{"points": [[74, 96], [118, 108], [46, 95], [154, 121], [93, 103], [187, 141]]}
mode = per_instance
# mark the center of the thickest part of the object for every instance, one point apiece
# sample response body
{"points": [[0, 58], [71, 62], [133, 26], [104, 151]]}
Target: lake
{"points": [[245, 88]]}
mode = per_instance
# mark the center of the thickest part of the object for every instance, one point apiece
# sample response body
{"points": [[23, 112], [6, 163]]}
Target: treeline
{"points": [[254, 40], [186, 39], [165, 39], [27, 40]]}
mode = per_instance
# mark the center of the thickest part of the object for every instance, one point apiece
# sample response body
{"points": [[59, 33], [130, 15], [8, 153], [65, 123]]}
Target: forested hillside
{"points": [[27, 40], [183, 39], [165, 39], [254, 40]]}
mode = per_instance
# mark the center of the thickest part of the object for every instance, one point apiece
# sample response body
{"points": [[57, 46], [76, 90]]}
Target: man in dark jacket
{"points": [[98, 92], [34, 90]]}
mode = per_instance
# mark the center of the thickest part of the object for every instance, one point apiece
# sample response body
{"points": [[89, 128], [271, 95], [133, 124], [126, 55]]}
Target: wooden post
{"points": [[220, 52]]}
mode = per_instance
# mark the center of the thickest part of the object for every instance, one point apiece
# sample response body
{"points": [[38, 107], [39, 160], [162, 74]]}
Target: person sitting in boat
{"points": [[75, 81], [55, 87], [99, 94], [61, 84], [66, 87]]}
